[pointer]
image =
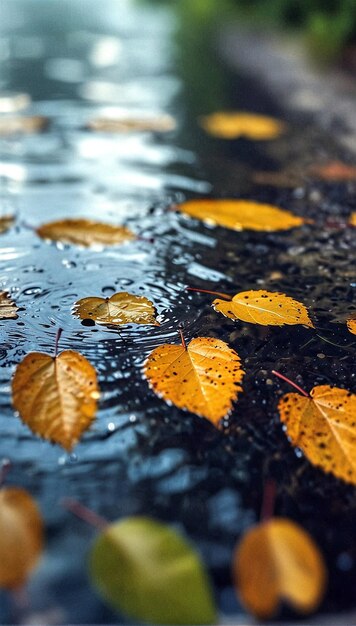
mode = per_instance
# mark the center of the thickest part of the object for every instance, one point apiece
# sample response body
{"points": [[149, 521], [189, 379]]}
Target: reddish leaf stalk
{"points": [[85, 514], [182, 339], [288, 380], [213, 293], [268, 501], [58, 336]]}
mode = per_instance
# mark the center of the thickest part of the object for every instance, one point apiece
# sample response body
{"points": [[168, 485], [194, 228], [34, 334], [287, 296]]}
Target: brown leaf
{"points": [[334, 171], [8, 308], [159, 124], [56, 396], [120, 308], [22, 124], [6, 222], [21, 536], [85, 232], [234, 124]]}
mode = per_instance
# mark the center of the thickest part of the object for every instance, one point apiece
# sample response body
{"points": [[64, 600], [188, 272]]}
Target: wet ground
{"points": [[142, 456]]}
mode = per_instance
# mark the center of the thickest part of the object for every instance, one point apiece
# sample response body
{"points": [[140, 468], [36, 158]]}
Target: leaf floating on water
{"points": [[275, 562], [241, 214], [6, 222], [231, 125], [120, 308], [21, 536], [8, 308], [56, 396], [334, 171], [85, 232], [352, 220], [351, 325], [267, 308], [22, 125], [147, 571], [203, 377], [324, 427], [159, 124]]}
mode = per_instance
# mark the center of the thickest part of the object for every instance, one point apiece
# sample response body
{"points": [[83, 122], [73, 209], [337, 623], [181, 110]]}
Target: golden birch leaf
{"points": [[56, 396], [267, 308], [120, 308], [21, 536], [324, 427], [231, 125], [159, 124], [352, 220], [8, 309], [22, 124], [85, 232], [203, 377], [6, 222], [241, 214], [275, 562], [351, 325]]}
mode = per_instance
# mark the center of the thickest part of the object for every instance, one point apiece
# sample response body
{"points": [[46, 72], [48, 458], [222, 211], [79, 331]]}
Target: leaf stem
{"points": [[85, 514], [58, 336], [288, 380], [213, 293], [4, 470], [182, 338], [268, 501]]}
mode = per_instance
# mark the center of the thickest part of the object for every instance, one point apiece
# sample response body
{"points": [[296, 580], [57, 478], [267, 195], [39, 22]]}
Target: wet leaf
{"points": [[147, 571], [120, 308], [231, 125], [351, 325], [8, 308], [352, 221], [241, 214], [264, 307], [324, 427], [85, 232], [159, 124], [203, 378], [334, 171], [21, 536], [56, 396], [6, 222], [275, 562], [22, 124]]}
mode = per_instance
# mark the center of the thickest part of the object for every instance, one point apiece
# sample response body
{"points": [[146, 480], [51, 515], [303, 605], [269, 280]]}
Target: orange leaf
{"points": [[241, 214], [6, 222], [203, 377], [232, 124], [352, 220], [324, 427], [351, 325], [8, 309], [85, 232], [56, 396], [277, 561], [334, 171], [21, 536], [120, 308]]}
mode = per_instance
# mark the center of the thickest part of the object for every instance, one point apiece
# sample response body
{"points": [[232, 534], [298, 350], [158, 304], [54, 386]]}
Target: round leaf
{"points": [[120, 308]]}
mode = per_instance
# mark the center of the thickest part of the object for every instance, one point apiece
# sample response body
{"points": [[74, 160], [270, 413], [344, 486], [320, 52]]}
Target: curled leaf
{"points": [[22, 124], [8, 309], [241, 214], [56, 396], [203, 377], [85, 232], [120, 308], [351, 325], [159, 124], [324, 427], [231, 125], [21, 536], [264, 307], [6, 222], [146, 570], [275, 562]]}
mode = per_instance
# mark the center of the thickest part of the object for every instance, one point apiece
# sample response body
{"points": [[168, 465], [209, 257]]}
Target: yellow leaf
{"points": [[203, 377], [6, 222], [120, 308], [352, 221], [56, 396], [231, 125], [85, 232], [351, 325], [159, 124], [21, 536], [22, 124], [8, 309], [241, 214], [277, 561], [324, 427], [264, 307]]}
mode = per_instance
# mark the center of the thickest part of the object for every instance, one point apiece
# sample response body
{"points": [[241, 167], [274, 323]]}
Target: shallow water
{"points": [[142, 456]]}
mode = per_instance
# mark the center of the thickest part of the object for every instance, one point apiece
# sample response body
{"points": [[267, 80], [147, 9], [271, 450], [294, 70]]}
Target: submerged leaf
{"points": [[264, 307], [275, 562], [203, 377], [231, 125], [146, 570], [6, 222], [22, 124], [120, 308], [21, 536], [159, 124], [351, 325], [56, 396], [8, 309], [85, 232], [324, 427], [241, 214]]}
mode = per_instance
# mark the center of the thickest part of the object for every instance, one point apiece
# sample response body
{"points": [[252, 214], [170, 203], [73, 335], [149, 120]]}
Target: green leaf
{"points": [[147, 571]]}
